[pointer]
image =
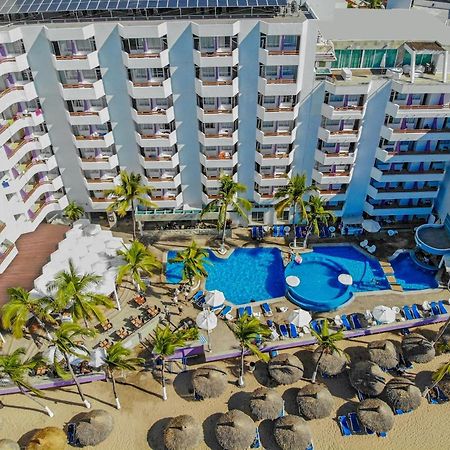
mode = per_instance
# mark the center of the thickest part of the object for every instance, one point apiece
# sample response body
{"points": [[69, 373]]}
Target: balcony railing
{"points": [[155, 135], [102, 199], [278, 108], [6, 252], [347, 108], [332, 191], [78, 85], [33, 214], [220, 134], [335, 174], [27, 195], [96, 159], [281, 80], [409, 172], [9, 59], [266, 195], [147, 83], [84, 113], [218, 157], [395, 205], [158, 158], [277, 133], [15, 148], [91, 137], [158, 111], [145, 55], [444, 151], [338, 132], [274, 155], [400, 190], [157, 179], [274, 175], [216, 82], [423, 106], [283, 52], [71, 57], [11, 89], [207, 54], [418, 130], [100, 180]]}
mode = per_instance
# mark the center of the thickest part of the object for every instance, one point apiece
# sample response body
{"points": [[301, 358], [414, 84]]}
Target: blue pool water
{"points": [[410, 275], [319, 288], [247, 274]]}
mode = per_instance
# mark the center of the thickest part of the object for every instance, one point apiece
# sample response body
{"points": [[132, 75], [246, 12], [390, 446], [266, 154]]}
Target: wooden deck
{"points": [[34, 252]]}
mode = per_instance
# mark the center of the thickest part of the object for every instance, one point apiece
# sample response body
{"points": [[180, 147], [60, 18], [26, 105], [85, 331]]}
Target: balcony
{"points": [[17, 150], [278, 57], [419, 111], [273, 179], [338, 177], [91, 117], [358, 84], [395, 209], [33, 167], [170, 201], [23, 120], [157, 139], [267, 137], [8, 251], [45, 208], [407, 175], [333, 194], [20, 92], [217, 88], [99, 163], [391, 156], [149, 89], [94, 141], [402, 193], [160, 162], [34, 192], [217, 139], [83, 91], [217, 58], [100, 204], [336, 136], [336, 112], [153, 116], [278, 86], [398, 134], [206, 198], [217, 115], [276, 159], [146, 60], [165, 181], [271, 113], [13, 64], [329, 159], [101, 184], [2, 226], [264, 199], [87, 61], [217, 162]]}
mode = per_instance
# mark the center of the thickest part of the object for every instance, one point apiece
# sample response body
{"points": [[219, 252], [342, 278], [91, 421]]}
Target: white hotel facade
{"points": [[260, 97]]}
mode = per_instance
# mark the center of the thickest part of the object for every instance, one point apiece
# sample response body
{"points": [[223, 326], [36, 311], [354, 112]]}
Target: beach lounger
{"points": [[270, 324], [275, 231], [283, 330], [266, 309], [197, 296], [249, 311], [201, 302], [364, 243], [369, 431], [442, 307], [293, 331], [356, 322], [344, 426], [372, 248], [298, 232], [407, 313], [310, 447], [273, 353], [382, 434], [346, 322], [281, 231], [241, 312], [225, 311], [360, 395], [432, 397], [435, 309], [314, 325], [416, 312], [354, 422], [257, 441], [71, 436], [442, 398]]}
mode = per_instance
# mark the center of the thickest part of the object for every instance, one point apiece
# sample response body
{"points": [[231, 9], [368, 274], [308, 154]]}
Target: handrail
{"points": [[71, 57]]}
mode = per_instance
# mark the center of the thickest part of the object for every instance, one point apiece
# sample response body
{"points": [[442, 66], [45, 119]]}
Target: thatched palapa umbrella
{"points": [[266, 403], [331, 364], [209, 382], [8, 444], [49, 438], [94, 427], [315, 401], [375, 415], [445, 338], [292, 433], [444, 385], [401, 393], [285, 368], [383, 353], [416, 348], [367, 377], [182, 433], [235, 430]]}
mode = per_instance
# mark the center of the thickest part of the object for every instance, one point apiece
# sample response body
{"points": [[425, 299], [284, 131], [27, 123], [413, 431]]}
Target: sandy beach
{"points": [[143, 416]]}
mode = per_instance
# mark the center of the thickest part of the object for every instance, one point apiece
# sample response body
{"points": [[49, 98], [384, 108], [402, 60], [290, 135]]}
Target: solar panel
{"points": [[55, 6]]}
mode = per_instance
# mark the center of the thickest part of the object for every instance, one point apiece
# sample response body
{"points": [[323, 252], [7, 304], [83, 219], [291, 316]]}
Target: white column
{"points": [[445, 69], [413, 66]]}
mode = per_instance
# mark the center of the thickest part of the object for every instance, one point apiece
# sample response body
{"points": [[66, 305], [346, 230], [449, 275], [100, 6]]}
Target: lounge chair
{"points": [[241, 311], [346, 322], [266, 309], [201, 302], [369, 431], [257, 441], [356, 322], [344, 426], [283, 330], [382, 434], [435, 309], [225, 311], [281, 231], [254, 232], [441, 396], [354, 422], [249, 311], [197, 296], [371, 249], [442, 307], [416, 312], [275, 231], [364, 243], [361, 396], [273, 353], [392, 232], [71, 436], [293, 331], [260, 233], [314, 325], [407, 312], [270, 324]]}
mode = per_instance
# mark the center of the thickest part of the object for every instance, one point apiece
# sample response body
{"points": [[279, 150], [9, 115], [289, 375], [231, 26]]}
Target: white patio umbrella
{"points": [[97, 358], [49, 354], [292, 281], [372, 226], [214, 298], [299, 317], [108, 287], [207, 320], [383, 314], [345, 279]]}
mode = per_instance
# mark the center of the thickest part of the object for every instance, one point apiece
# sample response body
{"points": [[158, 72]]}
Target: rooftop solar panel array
{"points": [[60, 6]]}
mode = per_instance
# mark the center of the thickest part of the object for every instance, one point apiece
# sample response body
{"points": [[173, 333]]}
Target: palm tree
{"points": [[292, 196], [326, 342], [194, 259], [16, 368], [165, 342], [117, 357], [437, 377], [74, 295], [130, 193], [20, 307], [138, 259], [228, 201], [73, 211], [65, 343], [316, 214], [248, 330]]}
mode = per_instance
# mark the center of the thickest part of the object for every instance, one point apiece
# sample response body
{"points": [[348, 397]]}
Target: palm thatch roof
{"points": [[93, 427], [235, 430], [375, 415], [383, 353], [445, 338], [209, 381], [315, 401], [416, 348], [266, 403], [444, 385], [285, 368], [367, 377], [49, 438], [292, 433], [182, 433], [8, 444], [331, 364], [402, 393]]}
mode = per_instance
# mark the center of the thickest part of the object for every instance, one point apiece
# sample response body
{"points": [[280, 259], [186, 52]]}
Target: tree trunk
{"points": [[308, 232], [444, 327], [35, 400], [133, 219], [222, 245], [74, 378], [42, 325], [316, 369], [241, 381], [293, 224], [113, 381], [163, 380]]}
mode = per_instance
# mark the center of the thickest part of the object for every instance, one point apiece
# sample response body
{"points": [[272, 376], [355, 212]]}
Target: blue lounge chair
{"points": [[314, 325], [273, 353], [257, 441], [369, 431], [442, 307], [71, 436], [266, 309], [356, 322], [241, 311], [281, 232], [197, 296], [346, 322], [249, 311], [275, 231], [399, 412], [298, 232], [382, 434], [433, 397], [416, 312], [282, 413], [270, 323], [361, 396], [441, 396], [260, 233], [407, 313], [435, 309], [283, 330], [293, 331], [354, 422], [254, 233], [344, 426], [200, 302], [225, 311], [310, 447]]}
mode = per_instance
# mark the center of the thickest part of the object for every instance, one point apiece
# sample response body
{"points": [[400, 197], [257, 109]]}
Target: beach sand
{"points": [[143, 416]]}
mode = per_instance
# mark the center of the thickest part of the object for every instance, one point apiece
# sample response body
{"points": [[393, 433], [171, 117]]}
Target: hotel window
{"points": [[288, 72], [258, 216], [207, 43], [273, 41], [140, 74], [208, 72], [224, 72], [289, 42], [271, 72], [157, 72], [223, 42]]}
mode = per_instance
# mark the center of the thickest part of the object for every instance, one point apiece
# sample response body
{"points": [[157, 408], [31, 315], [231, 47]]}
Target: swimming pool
{"points": [[410, 275], [319, 288], [247, 274]]}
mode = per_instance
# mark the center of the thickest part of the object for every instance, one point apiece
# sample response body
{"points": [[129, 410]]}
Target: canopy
{"points": [[97, 358], [206, 320], [383, 314], [345, 279], [209, 382], [299, 317], [372, 226], [235, 430], [266, 403], [214, 298], [315, 401], [182, 433], [285, 368], [292, 281]]}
